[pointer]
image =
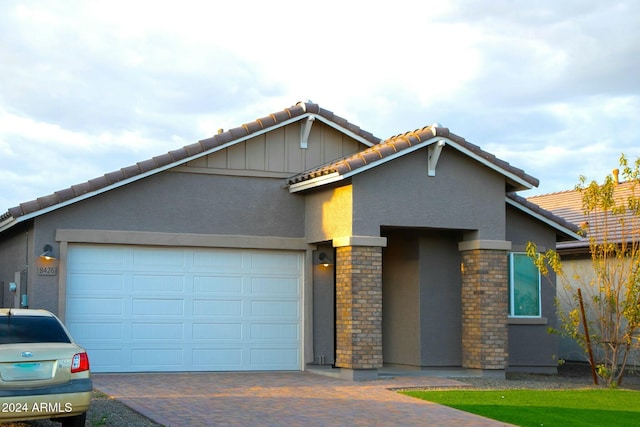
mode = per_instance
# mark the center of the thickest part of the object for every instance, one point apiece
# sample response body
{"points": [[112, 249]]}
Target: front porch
{"points": [[426, 300]]}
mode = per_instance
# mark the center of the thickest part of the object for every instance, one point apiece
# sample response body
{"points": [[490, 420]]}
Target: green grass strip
{"points": [[544, 408]]}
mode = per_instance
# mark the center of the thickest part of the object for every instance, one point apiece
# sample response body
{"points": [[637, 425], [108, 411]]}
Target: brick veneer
{"points": [[359, 307], [485, 299]]}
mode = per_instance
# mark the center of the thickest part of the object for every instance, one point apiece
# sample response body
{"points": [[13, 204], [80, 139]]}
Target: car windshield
{"points": [[31, 329]]}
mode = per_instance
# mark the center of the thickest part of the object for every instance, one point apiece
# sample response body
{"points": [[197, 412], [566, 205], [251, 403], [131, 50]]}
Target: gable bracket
{"points": [[433, 153], [305, 130]]}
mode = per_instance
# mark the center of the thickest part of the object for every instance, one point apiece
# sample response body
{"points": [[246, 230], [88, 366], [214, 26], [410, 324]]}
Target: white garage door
{"points": [[140, 309]]}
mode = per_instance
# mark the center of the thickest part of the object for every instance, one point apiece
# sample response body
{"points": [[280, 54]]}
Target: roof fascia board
{"points": [[316, 182], [7, 224], [343, 130], [545, 220], [490, 165]]}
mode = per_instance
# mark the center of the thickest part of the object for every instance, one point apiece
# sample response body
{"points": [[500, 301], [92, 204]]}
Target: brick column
{"points": [[359, 307], [485, 300]]}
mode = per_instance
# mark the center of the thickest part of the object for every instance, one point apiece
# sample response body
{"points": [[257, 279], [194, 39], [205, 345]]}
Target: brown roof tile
{"points": [[252, 127], [179, 154], [130, 171], [237, 133], [193, 149], [147, 165], [164, 159], [266, 122], [80, 189], [65, 194], [115, 176]]}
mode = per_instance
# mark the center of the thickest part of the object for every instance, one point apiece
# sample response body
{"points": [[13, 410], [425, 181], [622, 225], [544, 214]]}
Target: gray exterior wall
{"points": [[440, 299], [422, 319], [14, 249], [530, 345], [401, 299], [188, 203], [323, 308], [464, 195], [329, 213]]}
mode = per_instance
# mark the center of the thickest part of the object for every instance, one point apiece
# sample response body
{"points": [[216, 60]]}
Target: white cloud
{"points": [[89, 87]]}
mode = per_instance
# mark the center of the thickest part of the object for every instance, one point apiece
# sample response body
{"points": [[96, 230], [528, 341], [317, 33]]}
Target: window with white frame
{"points": [[524, 286]]}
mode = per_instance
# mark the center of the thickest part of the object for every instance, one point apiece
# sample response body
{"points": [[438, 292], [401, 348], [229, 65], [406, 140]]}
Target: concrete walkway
{"points": [[280, 399]]}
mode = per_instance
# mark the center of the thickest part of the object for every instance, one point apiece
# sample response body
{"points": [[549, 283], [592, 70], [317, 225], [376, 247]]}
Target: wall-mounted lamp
{"points": [[324, 259], [48, 252]]}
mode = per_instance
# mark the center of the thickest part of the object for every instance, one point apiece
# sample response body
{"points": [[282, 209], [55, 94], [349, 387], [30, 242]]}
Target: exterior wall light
{"points": [[47, 252], [324, 259]]}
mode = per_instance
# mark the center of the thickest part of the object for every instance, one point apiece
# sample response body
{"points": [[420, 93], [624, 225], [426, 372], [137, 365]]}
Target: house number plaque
{"points": [[47, 271]]}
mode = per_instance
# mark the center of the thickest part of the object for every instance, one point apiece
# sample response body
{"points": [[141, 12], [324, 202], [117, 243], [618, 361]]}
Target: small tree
{"points": [[601, 311]]}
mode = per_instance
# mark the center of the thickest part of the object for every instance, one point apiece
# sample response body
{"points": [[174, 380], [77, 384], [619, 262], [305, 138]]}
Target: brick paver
{"points": [[280, 399]]}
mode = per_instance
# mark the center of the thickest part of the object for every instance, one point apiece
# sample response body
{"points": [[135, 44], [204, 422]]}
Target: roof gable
{"points": [[403, 144], [182, 156]]}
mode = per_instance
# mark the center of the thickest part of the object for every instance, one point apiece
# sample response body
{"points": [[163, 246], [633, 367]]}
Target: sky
{"points": [[89, 87]]}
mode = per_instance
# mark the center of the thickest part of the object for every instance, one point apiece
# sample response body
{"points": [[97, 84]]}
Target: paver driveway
{"points": [[280, 399]]}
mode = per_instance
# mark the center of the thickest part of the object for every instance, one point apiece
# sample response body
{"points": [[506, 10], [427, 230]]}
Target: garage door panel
{"points": [[217, 284], [275, 309], [94, 307], [92, 256], [275, 286], [218, 260], [77, 283], [108, 359], [158, 284], [154, 358], [273, 357], [218, 358], [158, 258], [157, 331], [274, 262], [275, 331], [96, 331], [195, 309], [217, 331], [157, 307], [217, 308]]}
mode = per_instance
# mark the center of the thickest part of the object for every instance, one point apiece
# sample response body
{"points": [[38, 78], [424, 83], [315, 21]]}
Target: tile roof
{"points": [[397, 144], [181, 155], [568, 204]]}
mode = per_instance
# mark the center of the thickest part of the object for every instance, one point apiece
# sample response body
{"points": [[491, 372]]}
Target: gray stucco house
{"points": [[293, 240]]}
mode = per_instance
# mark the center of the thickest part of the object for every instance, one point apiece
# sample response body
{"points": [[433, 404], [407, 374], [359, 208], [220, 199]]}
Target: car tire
{"points": [[75, 421]]}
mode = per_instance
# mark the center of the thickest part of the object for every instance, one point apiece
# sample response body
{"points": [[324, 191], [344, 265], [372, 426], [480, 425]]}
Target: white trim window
{"points": [[524, 287]]}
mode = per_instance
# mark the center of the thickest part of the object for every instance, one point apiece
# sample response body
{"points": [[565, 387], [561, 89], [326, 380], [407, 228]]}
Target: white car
{"points": [[43, 372]]}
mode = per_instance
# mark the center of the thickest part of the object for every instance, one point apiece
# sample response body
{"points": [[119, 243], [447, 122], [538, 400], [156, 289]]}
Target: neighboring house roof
{"points": [[403, 144], [568, 204], [566, 229], [180, 156]]}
